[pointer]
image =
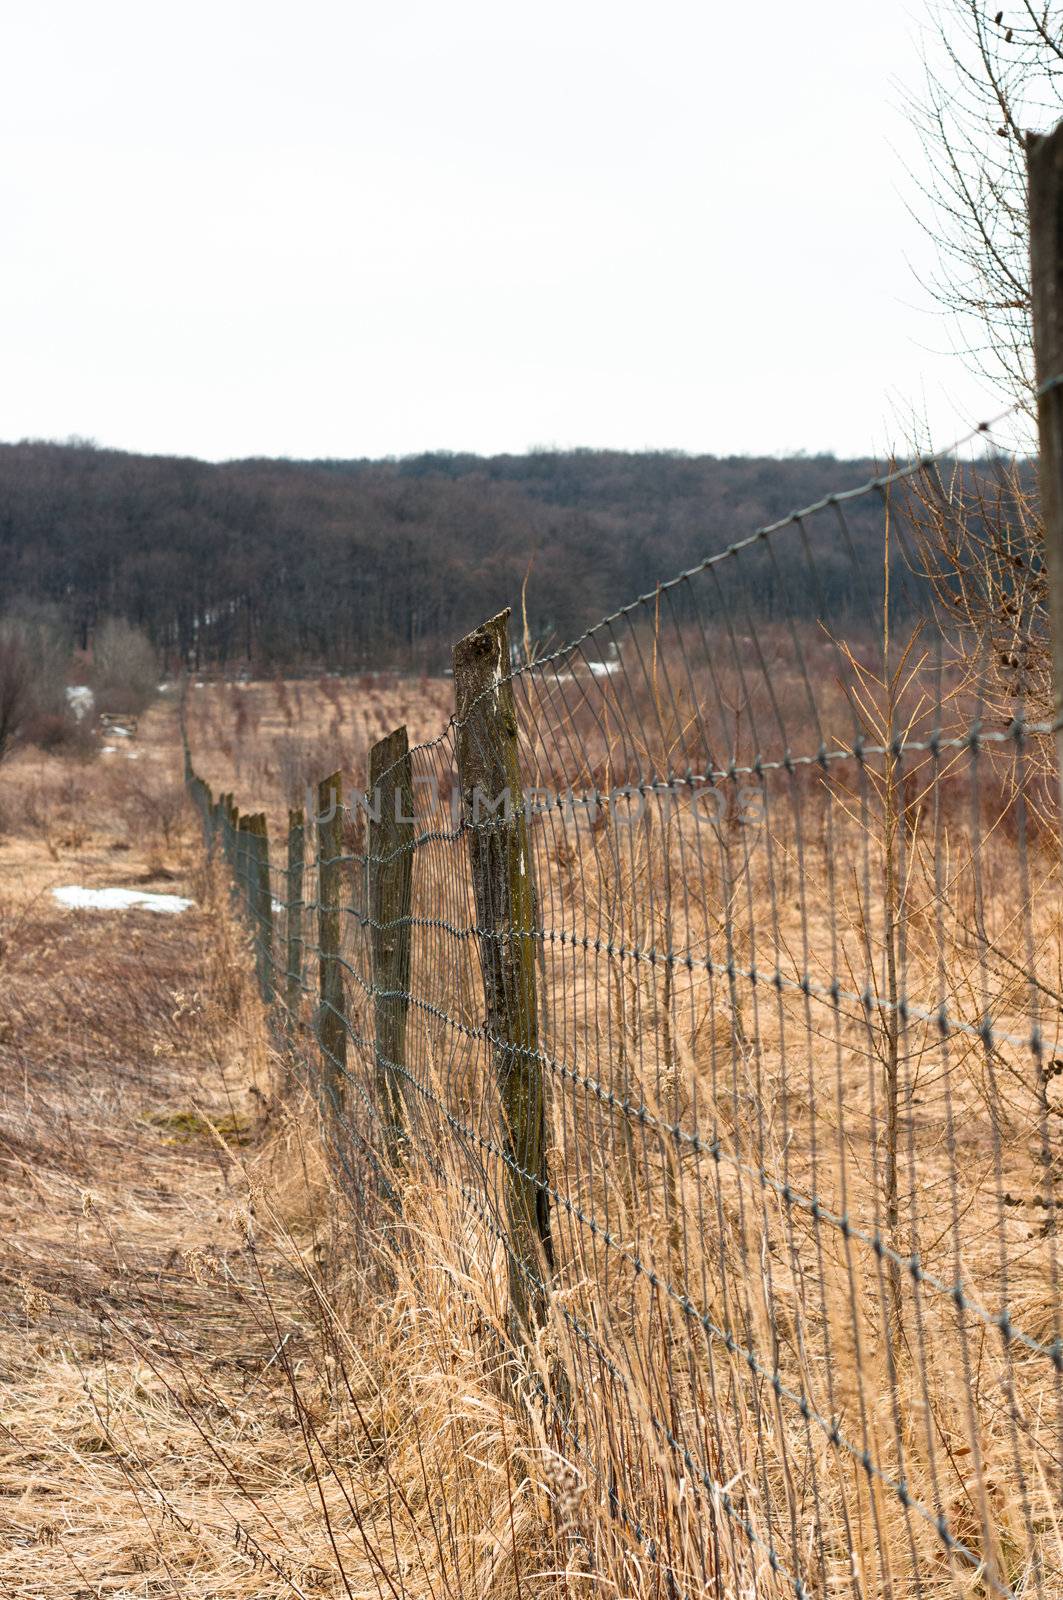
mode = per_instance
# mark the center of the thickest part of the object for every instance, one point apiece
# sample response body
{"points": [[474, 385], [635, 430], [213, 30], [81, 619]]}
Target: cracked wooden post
{"points": [[293, 954], [390, 858], [496, 827], [332, 1017]]}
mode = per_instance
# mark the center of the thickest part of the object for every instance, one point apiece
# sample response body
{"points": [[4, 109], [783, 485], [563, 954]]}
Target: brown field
{"points": [[268, 741], [200, 1399], [236, 1373]]}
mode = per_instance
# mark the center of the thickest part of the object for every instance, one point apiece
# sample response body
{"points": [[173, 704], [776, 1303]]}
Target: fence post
{"points": [[205, 806], [243, 866], [229, 820], [234, 847], [293, 955], [217, 827], [332, 1021], [260, 901], [1044, 169], [496, 826], [208, 819], [390, 857]]}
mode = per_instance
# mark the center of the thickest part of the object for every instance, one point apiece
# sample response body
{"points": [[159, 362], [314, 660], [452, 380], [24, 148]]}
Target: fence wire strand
{"points": [[790, 828]]}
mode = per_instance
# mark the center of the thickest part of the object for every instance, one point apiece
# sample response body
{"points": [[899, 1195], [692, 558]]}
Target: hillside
{"points": [[348, 564]]}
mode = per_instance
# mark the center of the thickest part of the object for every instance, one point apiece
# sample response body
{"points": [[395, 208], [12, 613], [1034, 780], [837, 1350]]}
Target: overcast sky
{"points": [[335, 228]]}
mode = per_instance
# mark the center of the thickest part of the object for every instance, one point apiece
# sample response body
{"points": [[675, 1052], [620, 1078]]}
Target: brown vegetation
{"points": [[207, 1390], [241, 1370]]}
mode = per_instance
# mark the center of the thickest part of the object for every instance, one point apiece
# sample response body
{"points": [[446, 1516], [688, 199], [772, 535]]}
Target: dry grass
{"points": [[270, 741], [237, 1371], [697, 1308], [203, 1397]]}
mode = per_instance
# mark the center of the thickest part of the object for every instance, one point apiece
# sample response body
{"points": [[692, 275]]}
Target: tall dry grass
{"points": [[799, 1047], [247, 1361]]}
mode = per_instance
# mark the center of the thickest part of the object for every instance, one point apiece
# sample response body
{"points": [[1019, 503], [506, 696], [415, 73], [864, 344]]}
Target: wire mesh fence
{"points": [[711, 966]]}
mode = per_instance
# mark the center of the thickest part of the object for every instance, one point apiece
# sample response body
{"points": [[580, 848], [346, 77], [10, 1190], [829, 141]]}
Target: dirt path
{"points": [[144, 1413]]}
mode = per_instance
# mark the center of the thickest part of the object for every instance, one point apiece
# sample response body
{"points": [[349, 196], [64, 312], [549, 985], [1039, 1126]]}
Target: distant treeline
{"points": [[355, 564]]}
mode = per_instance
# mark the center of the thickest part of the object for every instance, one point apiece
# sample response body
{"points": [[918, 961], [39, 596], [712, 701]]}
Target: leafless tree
{"points": [[990, 74], [124, 668]]}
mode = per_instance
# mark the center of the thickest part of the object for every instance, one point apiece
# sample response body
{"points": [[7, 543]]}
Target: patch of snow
{"points": [[118, 732], [108, 750], [79, 899], [80, 699]]}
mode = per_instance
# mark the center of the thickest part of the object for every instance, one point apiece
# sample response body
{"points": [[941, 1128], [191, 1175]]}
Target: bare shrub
{"points": [[34, 658], [16, 687], [151, 804], [302, 762], [60, 733], [124, 669]]}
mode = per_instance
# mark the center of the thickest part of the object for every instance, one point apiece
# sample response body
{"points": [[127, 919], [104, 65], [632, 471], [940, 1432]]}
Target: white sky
{"points": [[336, 228]]}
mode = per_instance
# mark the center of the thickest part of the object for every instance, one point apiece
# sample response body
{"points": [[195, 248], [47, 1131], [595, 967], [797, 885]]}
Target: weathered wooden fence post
{"points": [[293, 955], [232, 841], [1044, 168], [260, 901], [230, 817], [217, 826], [389, 854], [185, 746], [243, 865], [496, 826], [204, 800], [208, 819], [332, 1017]]}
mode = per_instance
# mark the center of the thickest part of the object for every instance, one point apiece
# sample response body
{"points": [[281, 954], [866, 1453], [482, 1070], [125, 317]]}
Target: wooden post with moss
{"points": [[293, 953], [332, 1016], [496, 828], [390, 860]]}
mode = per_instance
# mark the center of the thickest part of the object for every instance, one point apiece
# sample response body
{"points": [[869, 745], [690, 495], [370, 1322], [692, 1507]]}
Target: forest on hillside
{"points": [[348, 565]]}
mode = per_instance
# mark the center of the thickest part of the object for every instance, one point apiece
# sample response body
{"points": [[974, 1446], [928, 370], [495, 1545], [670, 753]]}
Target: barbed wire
{"points": [[794, 1071]]}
